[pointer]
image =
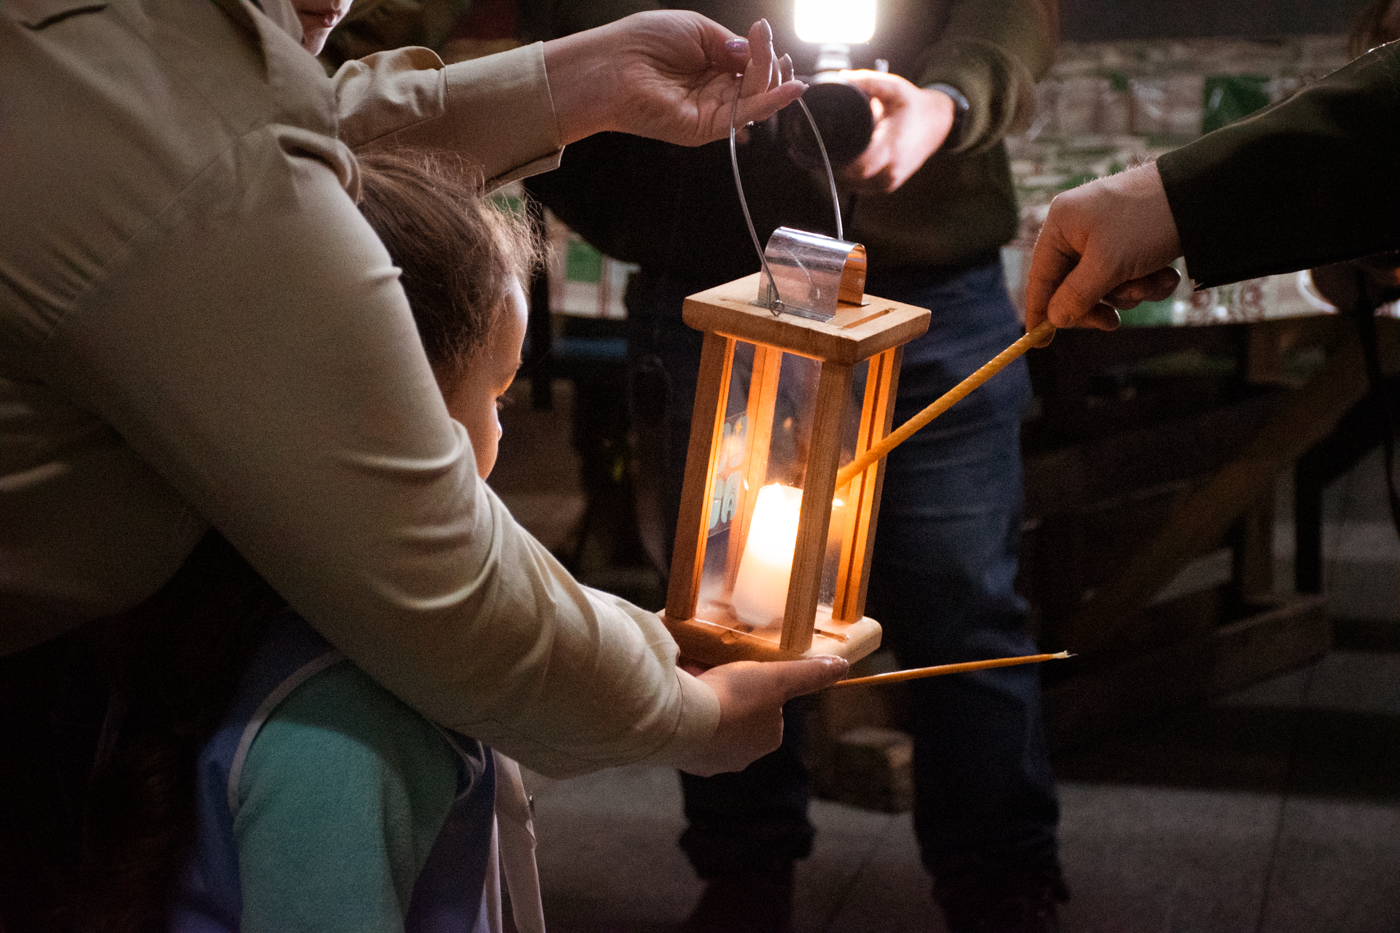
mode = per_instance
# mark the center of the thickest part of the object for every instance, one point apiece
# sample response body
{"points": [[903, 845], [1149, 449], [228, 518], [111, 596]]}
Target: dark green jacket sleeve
{"points": [[993, 51], [1312, 180]]}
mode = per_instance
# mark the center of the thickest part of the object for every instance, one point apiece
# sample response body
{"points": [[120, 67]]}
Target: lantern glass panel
{"points": [[759, 467], [843, 523]]}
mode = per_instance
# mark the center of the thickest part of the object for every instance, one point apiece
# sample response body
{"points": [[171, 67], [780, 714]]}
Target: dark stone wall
{"points": [[1100, 20]]}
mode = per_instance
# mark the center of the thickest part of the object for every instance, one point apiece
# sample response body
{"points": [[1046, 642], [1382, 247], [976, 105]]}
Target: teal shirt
{"points": [[343, 793]]}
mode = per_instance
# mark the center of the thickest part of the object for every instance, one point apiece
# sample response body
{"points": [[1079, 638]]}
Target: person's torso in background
{"points": [[675, 210]]}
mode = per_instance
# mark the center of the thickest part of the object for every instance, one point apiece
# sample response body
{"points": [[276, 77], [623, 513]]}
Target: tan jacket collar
{"points": [[279, 11]]}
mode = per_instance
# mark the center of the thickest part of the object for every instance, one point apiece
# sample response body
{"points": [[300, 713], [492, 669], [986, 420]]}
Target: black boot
{"points": [[1021, 902], [748, 902]]}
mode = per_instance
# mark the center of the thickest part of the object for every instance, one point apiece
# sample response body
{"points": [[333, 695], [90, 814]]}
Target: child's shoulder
{"points": [[338, 791], [341, 711], [320, 795], [323, 714]]}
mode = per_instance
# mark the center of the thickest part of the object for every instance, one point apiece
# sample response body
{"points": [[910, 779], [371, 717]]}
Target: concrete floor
{"points": [[1275, 809]]}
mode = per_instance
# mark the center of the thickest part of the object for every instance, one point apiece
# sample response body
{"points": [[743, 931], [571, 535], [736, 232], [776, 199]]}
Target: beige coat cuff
{"points": [[698, 722]]}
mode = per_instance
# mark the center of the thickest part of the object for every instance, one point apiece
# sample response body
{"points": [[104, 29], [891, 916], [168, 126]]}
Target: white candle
{"points": [[760, 589]]}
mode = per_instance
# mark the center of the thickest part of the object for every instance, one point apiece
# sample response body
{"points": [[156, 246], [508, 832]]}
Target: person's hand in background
{"points": [[911, 124]]}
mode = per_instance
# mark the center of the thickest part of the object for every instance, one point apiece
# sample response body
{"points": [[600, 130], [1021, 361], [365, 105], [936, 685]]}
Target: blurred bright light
{"points": [[848, 22]]}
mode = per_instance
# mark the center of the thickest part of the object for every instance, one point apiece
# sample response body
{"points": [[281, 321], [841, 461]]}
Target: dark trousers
{"points": [[941, 587]]}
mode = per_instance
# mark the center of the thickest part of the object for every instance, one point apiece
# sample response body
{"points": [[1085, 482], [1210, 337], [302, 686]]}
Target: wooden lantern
{"points": [[771, 559]]}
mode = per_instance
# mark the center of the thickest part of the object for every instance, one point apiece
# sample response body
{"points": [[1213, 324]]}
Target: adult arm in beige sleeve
{"points": [[496, 111], [255, 347], [666, 74], [207, 302]]}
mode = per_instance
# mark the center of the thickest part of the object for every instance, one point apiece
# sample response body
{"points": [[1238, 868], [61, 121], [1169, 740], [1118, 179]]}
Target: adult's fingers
{"points": [[785, 69], [760, 107], [758, 74], [1082, 290], [1105, 243], [751, 697], [1101, 316], [878, 85], [772, 683], [1053, 260], [795, 678], [1079, 301], [1155, 286], [768, 84]]}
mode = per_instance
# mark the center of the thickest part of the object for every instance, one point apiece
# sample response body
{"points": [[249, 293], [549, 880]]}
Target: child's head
{"points": [[463, 262]]}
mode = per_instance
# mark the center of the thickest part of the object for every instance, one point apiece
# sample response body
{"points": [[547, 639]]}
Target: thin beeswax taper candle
{"points": [[917, 673], [1036, 338]]}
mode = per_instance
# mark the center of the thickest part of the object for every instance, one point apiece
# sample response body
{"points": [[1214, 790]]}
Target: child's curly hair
{"points": [[459, 251]]}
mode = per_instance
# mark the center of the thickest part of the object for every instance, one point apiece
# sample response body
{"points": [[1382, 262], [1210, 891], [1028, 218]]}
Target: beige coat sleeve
{"points": [[203, 307], [257, 349], [409, 97]]}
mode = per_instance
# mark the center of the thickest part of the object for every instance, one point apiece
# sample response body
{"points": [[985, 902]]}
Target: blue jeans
{"points": [[941, 586]]}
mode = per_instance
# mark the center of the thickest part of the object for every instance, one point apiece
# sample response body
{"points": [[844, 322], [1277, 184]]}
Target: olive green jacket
{"points": [[1312, 180]]}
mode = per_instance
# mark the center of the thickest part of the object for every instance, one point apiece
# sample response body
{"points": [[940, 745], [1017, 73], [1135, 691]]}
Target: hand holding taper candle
{"points": [[916, 673]]}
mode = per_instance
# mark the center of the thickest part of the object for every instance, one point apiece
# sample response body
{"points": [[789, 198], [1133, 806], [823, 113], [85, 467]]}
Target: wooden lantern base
{"points": [[711, 643]]}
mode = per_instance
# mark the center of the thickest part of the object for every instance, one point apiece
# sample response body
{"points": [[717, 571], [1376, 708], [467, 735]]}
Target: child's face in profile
{"points": [[475, 400]]}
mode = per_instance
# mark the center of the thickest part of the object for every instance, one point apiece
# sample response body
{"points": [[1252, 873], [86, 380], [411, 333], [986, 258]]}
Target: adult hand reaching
{"points": [[1106, 245], [751, 697], [911, 123], [668, 74]]}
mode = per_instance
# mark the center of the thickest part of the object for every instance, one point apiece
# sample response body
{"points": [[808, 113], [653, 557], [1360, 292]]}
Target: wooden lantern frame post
{"points": [[871, 329]]}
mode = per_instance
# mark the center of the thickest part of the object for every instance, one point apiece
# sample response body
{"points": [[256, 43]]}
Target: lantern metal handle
{"points": [[775, 303]]}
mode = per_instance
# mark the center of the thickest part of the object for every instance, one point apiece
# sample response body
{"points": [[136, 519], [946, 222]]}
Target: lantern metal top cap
{"points": [[819, 270], [811, 274]]}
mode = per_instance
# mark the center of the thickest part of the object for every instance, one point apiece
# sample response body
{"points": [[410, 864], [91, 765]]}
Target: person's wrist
{"points": [[1153, 211], [579, 85], [957, 131]]}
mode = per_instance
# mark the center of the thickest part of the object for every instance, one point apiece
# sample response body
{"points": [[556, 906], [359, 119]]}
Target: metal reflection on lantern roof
{"points": [[811, 274]]}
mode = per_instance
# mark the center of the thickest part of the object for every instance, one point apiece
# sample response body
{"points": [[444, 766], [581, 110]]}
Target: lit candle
{"points": [[760, 589]]}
